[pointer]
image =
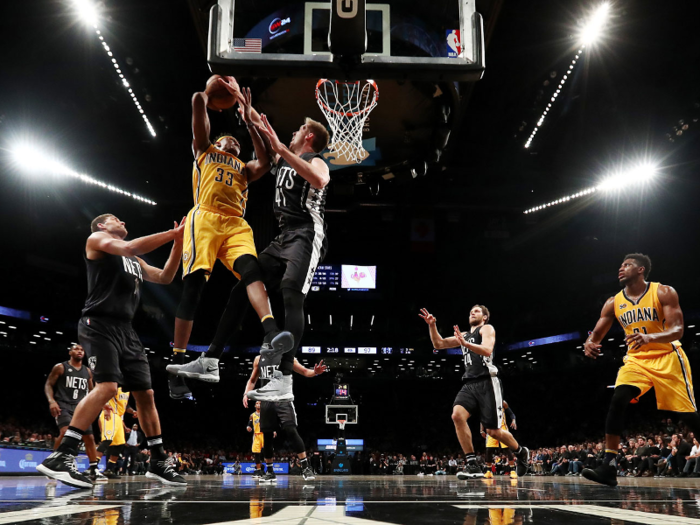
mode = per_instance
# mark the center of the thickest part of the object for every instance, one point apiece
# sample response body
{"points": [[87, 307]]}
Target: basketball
{"points": [[219, 97]]}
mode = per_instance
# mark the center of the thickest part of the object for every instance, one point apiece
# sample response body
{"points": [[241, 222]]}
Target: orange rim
{"points": [[351, 113]]}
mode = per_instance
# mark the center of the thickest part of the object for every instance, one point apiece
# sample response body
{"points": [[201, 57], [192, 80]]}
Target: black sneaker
{"points": [[308, 474], [164, 471], [522, 460], [257, 474], [605, 474], [278, 344], [109, 474], [269, 477], [470, 471], [62, 466], [178, 388]]}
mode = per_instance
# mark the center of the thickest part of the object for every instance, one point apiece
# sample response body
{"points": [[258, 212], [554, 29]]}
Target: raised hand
{"points": [[245, 106], [231, 86], [459, 336], [427, 316], [179, 230], [267, 131], [320, 368]]}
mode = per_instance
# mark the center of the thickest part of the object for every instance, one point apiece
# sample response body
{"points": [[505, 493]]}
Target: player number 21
{"points": [[220, 177]]}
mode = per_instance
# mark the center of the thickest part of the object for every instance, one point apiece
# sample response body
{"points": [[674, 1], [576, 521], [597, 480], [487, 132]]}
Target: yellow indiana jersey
{"points": [[119, 402], [646, 316], [219, 182], [255, 418]]}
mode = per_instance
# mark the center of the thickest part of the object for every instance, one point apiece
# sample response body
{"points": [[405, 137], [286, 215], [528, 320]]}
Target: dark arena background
{"points": [[518, 182]]}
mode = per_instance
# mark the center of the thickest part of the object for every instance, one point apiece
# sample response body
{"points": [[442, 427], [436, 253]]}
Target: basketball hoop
{"points": [[341, 424], [346, 106]]}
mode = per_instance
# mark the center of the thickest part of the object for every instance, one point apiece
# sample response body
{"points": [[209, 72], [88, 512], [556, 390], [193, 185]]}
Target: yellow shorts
{"points": [[669, 375], [112, 429], [211, 235], [258, 442], [494, 443], [501, 516]]}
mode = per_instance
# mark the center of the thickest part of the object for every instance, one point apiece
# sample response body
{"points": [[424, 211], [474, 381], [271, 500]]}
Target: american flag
{"points": [[247, 45]]}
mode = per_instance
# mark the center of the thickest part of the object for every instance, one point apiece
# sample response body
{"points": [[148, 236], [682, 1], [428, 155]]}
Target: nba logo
{"points": [[454, 43]]}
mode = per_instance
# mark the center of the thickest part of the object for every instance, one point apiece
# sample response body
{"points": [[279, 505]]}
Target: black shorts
{"points": [[292, 257], [64, 418], [483, 397], [275, 415], [115, 353], [104, 445]]}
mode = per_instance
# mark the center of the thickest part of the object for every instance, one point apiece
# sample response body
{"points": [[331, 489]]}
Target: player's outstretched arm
{"points": [[315, 172], [261, 165], [438, 341], [488, 340], [105, 243], [56, 372], [607, 316], [673, 315], [167, 273], [318, 369], [201, 128]]}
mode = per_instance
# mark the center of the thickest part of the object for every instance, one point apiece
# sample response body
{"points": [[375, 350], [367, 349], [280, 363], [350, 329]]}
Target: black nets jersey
{"points": [[266, 369], [476, 366], [72, 386], [297, 203], [114, 287]]}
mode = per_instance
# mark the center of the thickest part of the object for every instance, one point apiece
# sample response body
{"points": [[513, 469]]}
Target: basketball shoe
{"points": [[470, 471], [278, 344], [488, 474], [62, 466], [203, 369], [278, 389], [605, 474], [522, 459]]}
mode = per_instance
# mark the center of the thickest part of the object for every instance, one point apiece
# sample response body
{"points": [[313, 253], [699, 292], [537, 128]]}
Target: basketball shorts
{"points": [[211, 235], [64, 418], [483, 397], [493, 442], [112, 429], [258, 442], [291, 259], [669, 375], [115, 353], [275, 415]]}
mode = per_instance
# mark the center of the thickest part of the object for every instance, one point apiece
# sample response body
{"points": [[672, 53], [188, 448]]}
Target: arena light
{"points": [[590, 33], [26, 157], [638, 174], [593, 29], [88, 13]]}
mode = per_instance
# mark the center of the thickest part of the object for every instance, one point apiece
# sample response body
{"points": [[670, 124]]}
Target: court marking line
{"points": [[538, 503], [636, 516], [50, 512]]}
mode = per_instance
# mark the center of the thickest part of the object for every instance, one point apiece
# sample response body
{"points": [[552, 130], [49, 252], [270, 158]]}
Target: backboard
{"points": [[405, 39], [347, 413]]}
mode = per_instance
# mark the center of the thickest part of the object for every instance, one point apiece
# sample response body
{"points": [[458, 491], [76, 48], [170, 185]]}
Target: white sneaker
{"points": [[278, 389], [203, 368]]}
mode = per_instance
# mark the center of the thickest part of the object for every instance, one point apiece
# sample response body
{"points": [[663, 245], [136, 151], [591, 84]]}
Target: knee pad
{"points": [[104, 445], [295, 439], [621, 399], [193, 285], [248, 267]]}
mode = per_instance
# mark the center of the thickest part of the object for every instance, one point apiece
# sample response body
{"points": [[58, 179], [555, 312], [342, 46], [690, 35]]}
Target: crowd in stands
{"points": [[660, 450]]}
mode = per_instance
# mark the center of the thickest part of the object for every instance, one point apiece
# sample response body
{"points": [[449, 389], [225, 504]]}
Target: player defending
{"points": [[279, 414], [68, 383], [111, 422], [493, 446], [482, 391], [216, 229], [651, 317], [115, 353]]}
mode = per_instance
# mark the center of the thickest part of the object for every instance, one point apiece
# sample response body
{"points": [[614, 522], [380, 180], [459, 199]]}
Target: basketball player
{"points": [[289, 263], [115, 353], [651, 317], [216, 229], [493, 446], [258, 440], [112, 425], [481, 392], [68, 383], [274, 414]]}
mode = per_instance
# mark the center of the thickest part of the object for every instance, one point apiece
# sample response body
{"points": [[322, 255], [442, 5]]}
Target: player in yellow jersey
{"points": [[651, 317], [258, 440], [111, 422], [493, 446], [215, 229]]}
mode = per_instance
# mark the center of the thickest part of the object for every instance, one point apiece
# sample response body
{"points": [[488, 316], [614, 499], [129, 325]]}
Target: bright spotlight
{"points": [[86, 11], [642, 173], [594, 27]]}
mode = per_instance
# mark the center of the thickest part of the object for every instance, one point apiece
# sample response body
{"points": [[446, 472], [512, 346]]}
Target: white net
{"points": [[346, 106], [341, 424]]}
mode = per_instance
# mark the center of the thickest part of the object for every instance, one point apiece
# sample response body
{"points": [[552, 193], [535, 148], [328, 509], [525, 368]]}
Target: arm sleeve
{"points": [[509, 414]]}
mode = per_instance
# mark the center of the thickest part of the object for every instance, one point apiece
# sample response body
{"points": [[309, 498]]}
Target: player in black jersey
{"points": [[289, 263], [279, 414], [68, 383], [115, 353], [482, 392]]}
